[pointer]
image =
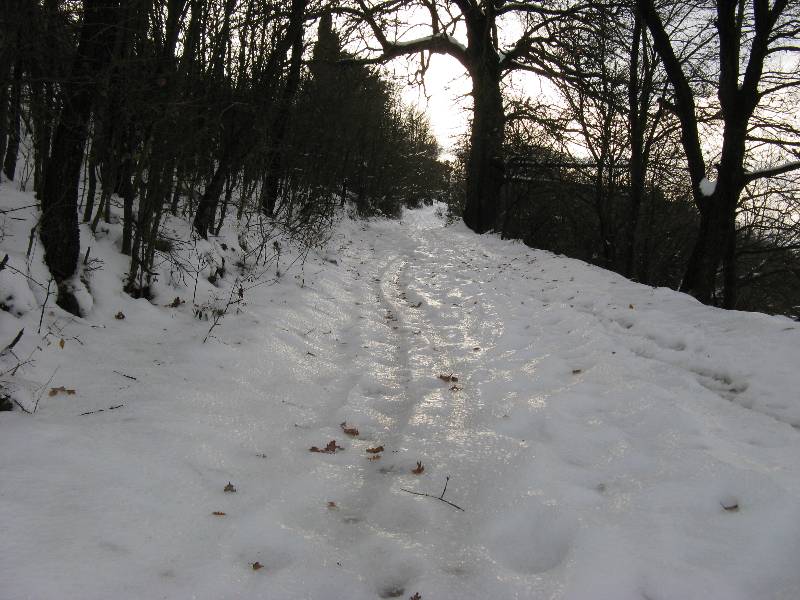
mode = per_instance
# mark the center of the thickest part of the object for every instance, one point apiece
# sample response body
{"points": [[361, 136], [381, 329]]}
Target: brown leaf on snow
{"points": [[577, 371], [119, 316], [229, 488], [61, 390], [375, 450], [351, 431], [332, 505], [418, 469], [257, 565], [218, 513], [61, 343], [448, 378], [331, 448]]}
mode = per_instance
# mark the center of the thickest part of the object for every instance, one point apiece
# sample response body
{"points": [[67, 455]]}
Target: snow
{"points": [[421, 40], [707, 187], [605, 439], [771, 171], [16, 296]]}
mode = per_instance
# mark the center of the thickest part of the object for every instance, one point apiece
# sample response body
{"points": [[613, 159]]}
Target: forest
{"points": [[667, 150], [276, 324]]}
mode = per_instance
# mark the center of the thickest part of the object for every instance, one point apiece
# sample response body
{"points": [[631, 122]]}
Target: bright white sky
{"points": [[448, 103], [445, 98]]}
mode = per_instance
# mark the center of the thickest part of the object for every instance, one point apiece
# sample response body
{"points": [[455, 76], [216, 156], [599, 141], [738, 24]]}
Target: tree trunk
{"points": [[12, 149], [715, 242], [59, 223], [636, 125], [9, 55], [176, 192], [294, 36], [128, 192], [485, 170], [730, 271], [3, 109], [230, 183], [91, 191], [207, 207]]}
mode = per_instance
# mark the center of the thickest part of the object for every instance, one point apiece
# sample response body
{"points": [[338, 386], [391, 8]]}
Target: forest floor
{"points": [[605, 440]]}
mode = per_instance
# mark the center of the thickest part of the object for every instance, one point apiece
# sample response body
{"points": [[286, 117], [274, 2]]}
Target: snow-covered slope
{"points": [[605, 440]]}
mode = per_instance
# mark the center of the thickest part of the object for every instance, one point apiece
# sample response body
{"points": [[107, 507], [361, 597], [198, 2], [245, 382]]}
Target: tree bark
{"points": [[485, 169], [294, 36], [12, 148], [230, 182], [636, 122], [207, 207], [59, 223], [91, 191]]}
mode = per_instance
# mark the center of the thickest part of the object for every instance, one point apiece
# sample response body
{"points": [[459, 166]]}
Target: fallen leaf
{"points": [[61, 390], [630, 306], [415, 597], [476, 349], [61, 343], [229, 488], [375, 450], [332, 505], [119, 316], [448, 378], [218, 513], [577, 371], [331, 448], [351, 431], [257, 565], [418, 469], [732, 507]]}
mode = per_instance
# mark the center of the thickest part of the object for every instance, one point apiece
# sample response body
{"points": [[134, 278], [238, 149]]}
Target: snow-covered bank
{"points": [[606, 440]]}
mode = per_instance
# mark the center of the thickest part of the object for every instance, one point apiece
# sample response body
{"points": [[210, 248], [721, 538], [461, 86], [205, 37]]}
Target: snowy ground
{"points": [[606, 440]]}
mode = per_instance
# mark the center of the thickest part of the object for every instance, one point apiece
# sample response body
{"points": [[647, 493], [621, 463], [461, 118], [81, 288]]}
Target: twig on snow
{"points": [[218, 314], [440, 497], [42, 389], [13, 343], [44, 305], [99, 410], [124, 375], [22, 408]]}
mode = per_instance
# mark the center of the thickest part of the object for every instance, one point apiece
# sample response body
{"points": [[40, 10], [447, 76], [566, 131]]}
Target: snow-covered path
{"points": [[606, 440]]}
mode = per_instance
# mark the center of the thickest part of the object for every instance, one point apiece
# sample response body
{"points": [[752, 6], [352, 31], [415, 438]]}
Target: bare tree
{"points": [[753, 45], [59, 224], [487, 57]]}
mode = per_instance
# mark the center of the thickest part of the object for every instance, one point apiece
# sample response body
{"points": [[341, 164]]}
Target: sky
{"points": [[444, 98]]}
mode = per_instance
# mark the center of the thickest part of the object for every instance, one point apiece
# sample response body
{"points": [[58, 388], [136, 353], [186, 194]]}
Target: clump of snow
{"points": [[707, 187], [15, 294], [78, 289]]}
